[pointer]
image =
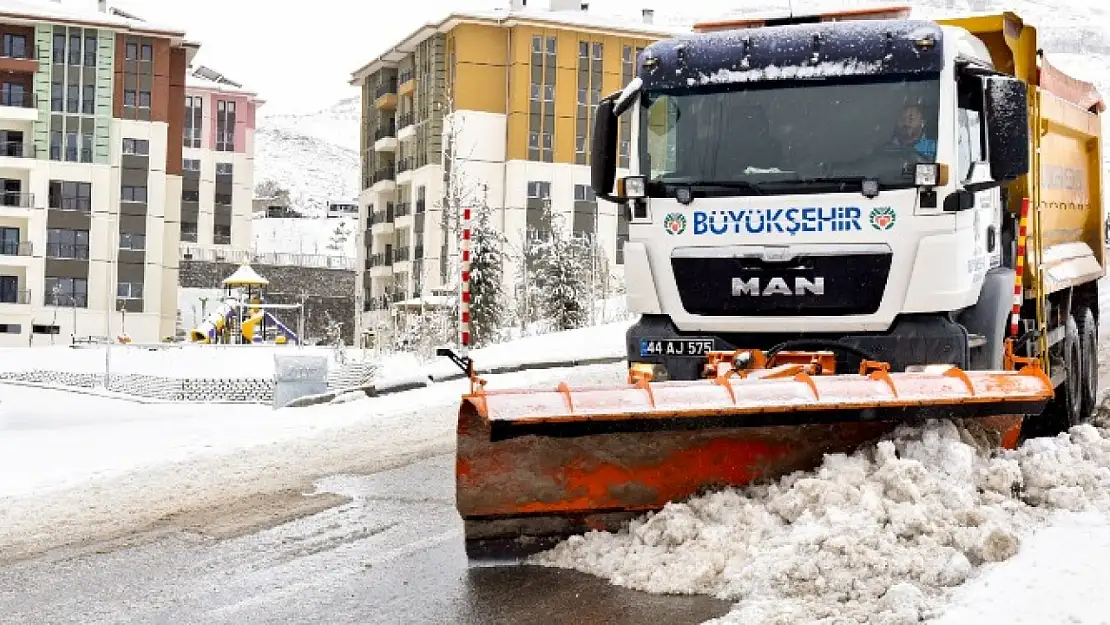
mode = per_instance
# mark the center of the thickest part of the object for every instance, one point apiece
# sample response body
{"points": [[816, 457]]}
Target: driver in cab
{"points": [[910, 133]]}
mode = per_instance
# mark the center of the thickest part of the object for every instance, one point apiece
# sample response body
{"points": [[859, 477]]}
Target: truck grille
{"points": [[849, 284]]}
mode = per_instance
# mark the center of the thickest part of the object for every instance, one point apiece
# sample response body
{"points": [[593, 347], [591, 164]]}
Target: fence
{"points": [[201, 390], [268, 258]]}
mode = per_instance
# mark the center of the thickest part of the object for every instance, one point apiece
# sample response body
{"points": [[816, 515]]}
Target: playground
{"points": [[242, 316]]}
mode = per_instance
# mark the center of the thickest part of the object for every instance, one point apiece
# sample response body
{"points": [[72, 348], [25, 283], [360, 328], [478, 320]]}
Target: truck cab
{"points": [[837, 182]]}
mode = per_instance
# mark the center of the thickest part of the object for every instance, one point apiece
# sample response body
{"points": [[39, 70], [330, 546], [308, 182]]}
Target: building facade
{"points": [[90, 170], [218, 163], [492, 108]]}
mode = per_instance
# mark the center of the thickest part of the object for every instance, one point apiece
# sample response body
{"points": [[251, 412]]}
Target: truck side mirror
{"points": [[603, 151], [1007, 109]]}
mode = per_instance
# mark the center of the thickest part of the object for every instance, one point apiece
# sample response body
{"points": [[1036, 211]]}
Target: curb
{"points": [[400, 387]]}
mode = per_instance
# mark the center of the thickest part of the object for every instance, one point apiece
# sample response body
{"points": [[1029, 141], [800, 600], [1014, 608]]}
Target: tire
{"points": [[1065, 410], [1088, 349]]}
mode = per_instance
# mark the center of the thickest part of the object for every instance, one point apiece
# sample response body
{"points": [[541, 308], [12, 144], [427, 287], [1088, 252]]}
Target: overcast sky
{"points": [[299, 54]]}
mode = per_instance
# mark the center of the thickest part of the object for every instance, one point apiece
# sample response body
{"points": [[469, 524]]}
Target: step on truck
{"points": [[837, 224]]}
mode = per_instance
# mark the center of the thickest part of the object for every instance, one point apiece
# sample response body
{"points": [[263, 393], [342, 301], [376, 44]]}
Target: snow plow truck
{"points": [[838, 224]]}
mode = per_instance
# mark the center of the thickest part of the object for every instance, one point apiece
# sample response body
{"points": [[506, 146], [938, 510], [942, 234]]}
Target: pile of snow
{"points": [[878, 536]]}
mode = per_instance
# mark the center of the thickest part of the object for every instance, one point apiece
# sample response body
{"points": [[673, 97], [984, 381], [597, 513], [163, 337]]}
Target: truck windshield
{"points": [[788, 137]]}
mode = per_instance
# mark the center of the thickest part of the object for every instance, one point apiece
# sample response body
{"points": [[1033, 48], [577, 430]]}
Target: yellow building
{"points": [[492, 107]]}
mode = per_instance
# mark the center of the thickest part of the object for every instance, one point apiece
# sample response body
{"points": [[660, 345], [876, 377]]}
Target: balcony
{"points": [[17, 154], [380, 264], [402, 209], [382, 222], [70, 203], [385, 178], [16, 248], [14, 203], [418, 252], [20, 58], [405, 127], [401, 255], [385, 137], [386, 95], [15, 298], [404, 169], [67, 251], [406, 82], [18, 106]]}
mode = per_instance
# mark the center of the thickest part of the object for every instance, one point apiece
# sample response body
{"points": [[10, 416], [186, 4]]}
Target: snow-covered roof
{"points": [[84, 12], [203, 77], [582, 21]]}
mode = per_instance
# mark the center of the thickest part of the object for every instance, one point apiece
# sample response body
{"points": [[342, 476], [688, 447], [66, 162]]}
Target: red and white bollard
{"points": [[464, 285], [1019, 269]]}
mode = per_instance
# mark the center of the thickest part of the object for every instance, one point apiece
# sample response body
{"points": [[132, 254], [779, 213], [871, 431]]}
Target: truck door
{"points": [[972, 166]]}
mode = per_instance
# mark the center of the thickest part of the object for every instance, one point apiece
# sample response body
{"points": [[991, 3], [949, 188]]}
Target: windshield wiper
{"points": [[842, 181], [720, 184]]}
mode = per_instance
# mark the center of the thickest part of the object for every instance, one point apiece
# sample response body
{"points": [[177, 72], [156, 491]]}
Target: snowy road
{"points": [[219, 537]]}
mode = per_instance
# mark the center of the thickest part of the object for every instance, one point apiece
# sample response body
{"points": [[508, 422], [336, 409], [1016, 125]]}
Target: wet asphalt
{"points": [[394, 554]]}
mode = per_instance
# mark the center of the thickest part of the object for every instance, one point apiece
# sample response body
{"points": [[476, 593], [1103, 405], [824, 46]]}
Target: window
{"points": [[194, 116], [129, 97], [133, 194], [90, 51], [57, 102], [55, 145], [131, 51], [225, 125], [144, 99], [9, 290], [11, 328], [59, 53], [9, 241], [132, 241], [541, 107], [539, 190], [190, 164], [15, 46], [129, 290], [69, 195], [223, 169], [223, 199], [189, 232], [44, 329], [190, 195], [146, 53], [13, 94], [584, 193], [66, 292], [74, 49], [73, 98], [88, 99], [66, 243], [969, 117], [140, 147], [221, 235]]}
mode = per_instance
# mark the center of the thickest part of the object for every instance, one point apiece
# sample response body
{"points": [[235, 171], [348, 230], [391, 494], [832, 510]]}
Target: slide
{"points": [[213, 325], [250, 327]]}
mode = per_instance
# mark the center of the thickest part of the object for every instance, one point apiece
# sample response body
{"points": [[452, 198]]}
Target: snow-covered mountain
{"points": [[314, 155]]}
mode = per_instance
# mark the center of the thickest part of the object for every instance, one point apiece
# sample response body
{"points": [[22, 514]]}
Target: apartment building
{"points": [[90, 173], [217, 190], [491, 107]]}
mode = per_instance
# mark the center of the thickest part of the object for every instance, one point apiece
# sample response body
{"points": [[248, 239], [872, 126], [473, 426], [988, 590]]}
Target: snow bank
{"points": [[874, 537]]}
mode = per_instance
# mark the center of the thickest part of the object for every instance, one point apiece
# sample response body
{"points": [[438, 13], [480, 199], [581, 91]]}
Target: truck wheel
{"points": [[1088, 348], [1064, 410]]}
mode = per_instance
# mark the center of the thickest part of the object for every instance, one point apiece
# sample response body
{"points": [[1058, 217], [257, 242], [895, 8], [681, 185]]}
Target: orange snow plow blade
{"points": [[536, 466]]}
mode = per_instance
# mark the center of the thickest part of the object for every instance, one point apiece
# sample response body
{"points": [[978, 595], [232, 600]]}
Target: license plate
{"points": [[679, 348]]}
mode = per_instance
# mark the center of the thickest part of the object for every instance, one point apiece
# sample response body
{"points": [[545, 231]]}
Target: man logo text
{"points": [[751, 287]]}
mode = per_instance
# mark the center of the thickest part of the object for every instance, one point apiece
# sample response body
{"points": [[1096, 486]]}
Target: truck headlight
{"points": [[926, 175], [634, 187]]}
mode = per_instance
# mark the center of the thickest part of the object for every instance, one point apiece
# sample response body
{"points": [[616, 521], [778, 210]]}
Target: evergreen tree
{"points": [[562, 277], [488, 301]]}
